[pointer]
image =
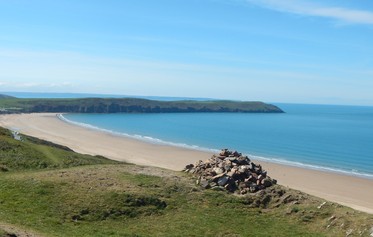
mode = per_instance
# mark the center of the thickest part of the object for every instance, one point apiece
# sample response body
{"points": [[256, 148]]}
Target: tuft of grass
{"points": [[3, 233], [5, 132]]}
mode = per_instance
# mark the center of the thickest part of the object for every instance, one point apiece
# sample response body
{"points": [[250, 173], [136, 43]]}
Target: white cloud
{"points": [[306, 8], [27, 85], [31, 86], [42, 85], [62, 84]]}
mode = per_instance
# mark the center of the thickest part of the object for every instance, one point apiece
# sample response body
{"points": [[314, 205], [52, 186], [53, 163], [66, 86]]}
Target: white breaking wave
{"points": [[148, 139], [153, 140], [313, 167]]}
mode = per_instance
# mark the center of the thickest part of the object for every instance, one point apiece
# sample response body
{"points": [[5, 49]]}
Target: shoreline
{"points": [[348, 190], [278, 161], [139, 138]]}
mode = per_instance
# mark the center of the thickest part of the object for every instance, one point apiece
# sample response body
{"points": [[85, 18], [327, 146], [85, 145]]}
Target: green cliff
{"points": [[131, 105]]}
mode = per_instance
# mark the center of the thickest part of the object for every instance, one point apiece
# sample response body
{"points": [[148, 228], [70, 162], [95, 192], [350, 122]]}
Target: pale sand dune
{"points": [[347, 190]]}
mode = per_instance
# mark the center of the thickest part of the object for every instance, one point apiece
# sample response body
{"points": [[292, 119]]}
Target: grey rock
{"points": [[236, 154], [224, 152], [243, 168], [266, 182], [213, 184], [223, 180], [253, 188], [230, 159], [218, 170], [217, 177], [189, 166], [217, 188], [231, 173], [243, 191], [204, 183]]}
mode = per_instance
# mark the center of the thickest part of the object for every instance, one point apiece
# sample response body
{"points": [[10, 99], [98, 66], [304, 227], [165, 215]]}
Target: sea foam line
{"points": [[147, 139], [313, 167], [153, 140]]}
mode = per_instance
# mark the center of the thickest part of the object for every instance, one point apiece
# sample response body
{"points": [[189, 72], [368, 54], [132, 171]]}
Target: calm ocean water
{"points": [[334, 138]]}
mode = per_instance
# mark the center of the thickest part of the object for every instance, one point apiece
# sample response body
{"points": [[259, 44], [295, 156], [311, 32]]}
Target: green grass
{"points": [[3, 233], [34, 153], [73, 206], [97, 197], [115, 200]]}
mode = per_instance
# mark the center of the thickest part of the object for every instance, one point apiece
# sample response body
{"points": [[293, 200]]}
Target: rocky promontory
{"points": [[132, 105]]}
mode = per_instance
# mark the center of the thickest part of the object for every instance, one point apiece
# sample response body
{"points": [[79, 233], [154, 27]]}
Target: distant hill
{"points": [[6, 96], [132, 105]]}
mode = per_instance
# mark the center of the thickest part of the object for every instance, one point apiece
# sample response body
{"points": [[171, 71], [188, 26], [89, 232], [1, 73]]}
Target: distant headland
{"points": [[130, 105]]}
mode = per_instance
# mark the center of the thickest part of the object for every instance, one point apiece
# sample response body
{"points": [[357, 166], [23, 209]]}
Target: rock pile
{"points": [[230, 171]]}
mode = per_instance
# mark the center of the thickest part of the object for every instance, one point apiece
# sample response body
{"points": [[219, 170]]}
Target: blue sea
{"points": [[323, 137]]}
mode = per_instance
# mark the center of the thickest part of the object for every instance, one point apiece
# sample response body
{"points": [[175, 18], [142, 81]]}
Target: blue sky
{"points": [[298, 51]]}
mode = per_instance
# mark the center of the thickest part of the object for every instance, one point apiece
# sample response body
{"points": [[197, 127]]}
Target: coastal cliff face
{"points": [[131, 105]]}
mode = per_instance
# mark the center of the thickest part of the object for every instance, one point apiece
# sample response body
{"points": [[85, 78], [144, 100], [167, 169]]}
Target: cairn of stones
{"points": [[231, 171]]}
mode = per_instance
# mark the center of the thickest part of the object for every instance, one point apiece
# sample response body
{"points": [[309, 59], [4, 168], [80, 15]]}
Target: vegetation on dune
{"points": [[107, 198], [131, 105], [6, 96], [34, 153]]}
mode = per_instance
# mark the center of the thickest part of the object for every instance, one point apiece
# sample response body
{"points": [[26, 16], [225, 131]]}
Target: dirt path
{"points": [[17, 231]]}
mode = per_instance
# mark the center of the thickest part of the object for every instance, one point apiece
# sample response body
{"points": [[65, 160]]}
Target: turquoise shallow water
{"points": [[326, 137]]}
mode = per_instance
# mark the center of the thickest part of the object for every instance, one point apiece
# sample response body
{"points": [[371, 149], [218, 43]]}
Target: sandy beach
{"points": [[351, 191]]}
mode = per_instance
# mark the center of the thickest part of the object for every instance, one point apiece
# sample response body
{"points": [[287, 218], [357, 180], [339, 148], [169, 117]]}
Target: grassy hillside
{"points": [[80, 195], [6, 96], [35, 154], [131, 105]]}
